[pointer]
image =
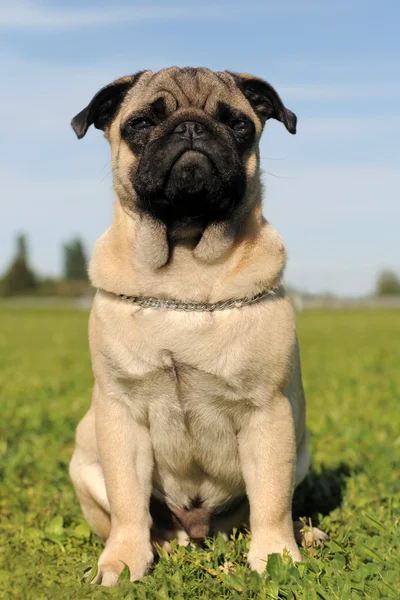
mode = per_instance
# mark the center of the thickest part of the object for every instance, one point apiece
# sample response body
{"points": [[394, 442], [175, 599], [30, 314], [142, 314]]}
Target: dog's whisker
{"points": [[106, 165], [105, 176], [280, 176], [272, 158]]}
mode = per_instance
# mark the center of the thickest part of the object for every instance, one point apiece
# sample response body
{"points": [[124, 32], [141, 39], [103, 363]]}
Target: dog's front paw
{"points": [[259, 552], [115, 557]]}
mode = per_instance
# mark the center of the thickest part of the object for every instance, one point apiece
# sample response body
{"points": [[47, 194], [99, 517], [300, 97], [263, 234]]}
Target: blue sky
{"points": [[332, 190]]}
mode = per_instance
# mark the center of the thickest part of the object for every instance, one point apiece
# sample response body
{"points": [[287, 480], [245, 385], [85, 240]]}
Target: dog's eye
{"points": [[238, 125], [140, 124]]}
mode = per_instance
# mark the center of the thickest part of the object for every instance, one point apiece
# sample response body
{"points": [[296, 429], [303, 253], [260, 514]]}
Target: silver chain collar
{"points": [[148, 302]]}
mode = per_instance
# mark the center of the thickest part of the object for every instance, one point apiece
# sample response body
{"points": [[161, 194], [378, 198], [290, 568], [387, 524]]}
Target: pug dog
{"points": [[197, 421]]}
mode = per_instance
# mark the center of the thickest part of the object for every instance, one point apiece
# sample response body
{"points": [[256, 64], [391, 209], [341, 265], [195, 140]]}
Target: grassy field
{"points": [[351, 366]]}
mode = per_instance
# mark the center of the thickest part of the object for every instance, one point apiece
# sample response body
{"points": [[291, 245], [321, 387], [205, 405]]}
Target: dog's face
{"points": [[184, 141]]}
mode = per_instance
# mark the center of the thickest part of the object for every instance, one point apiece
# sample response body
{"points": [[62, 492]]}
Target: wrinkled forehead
{"points": [[185, 88]]}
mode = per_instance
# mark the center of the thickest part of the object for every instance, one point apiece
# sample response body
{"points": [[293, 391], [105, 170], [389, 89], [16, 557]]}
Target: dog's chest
{"points": [[194, 381]]}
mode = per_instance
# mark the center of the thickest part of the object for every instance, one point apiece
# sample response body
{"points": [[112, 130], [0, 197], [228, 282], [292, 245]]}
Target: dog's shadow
{"points": [[321, 492]]}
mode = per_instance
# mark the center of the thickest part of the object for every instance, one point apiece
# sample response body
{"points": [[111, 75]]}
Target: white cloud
{"points": [[25, 15], [32, 16]]}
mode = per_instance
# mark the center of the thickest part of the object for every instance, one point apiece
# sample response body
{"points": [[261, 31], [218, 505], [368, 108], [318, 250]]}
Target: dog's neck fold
{"points": [[137, 255], [154, 244]]}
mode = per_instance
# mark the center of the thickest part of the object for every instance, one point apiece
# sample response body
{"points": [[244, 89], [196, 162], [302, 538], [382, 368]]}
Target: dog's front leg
{"points": [[127, 460], [268, 457]]}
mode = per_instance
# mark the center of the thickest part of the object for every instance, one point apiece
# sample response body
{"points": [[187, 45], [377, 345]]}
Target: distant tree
{"points": [[388, 283], [75, 263], [19, 277]]}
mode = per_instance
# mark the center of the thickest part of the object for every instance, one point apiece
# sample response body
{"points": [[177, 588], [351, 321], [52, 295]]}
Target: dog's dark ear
{"points": [[265, 100], [103, 106]]}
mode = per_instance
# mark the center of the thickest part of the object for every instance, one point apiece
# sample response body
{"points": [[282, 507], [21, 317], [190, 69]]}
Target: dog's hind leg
{"points": [[88, 479], [306, 535], [90, 488]]}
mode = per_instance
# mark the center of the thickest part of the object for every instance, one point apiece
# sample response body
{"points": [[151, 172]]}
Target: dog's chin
{"points": [[190, 176]]}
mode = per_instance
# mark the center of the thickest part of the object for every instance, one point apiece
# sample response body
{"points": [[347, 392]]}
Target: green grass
{"points": [[351, 368]]}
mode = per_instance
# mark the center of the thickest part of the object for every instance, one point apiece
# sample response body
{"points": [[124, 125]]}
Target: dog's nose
{"points": [[190, 129]]}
